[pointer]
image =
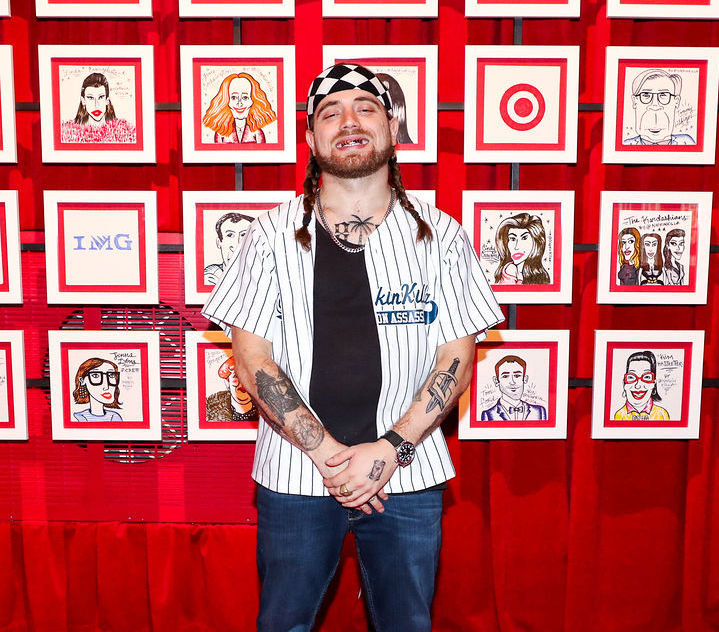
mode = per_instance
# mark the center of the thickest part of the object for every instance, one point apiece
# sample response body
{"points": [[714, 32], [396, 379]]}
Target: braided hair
{"points": [[311, 185]]}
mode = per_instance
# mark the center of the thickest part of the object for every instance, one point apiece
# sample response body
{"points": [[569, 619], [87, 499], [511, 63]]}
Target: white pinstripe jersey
{"points": [[424, 294]]}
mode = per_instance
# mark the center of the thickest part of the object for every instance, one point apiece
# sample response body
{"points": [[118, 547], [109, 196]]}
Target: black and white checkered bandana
{"points": [[345, 77]]}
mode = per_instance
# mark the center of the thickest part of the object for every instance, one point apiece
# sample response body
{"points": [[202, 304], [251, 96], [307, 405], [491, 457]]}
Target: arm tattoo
{"points": [[377, 470], [440, 387], [278, 393], [308, 432]]}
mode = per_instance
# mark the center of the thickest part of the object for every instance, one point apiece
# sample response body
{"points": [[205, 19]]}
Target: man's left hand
{"points": [[370, 466]]}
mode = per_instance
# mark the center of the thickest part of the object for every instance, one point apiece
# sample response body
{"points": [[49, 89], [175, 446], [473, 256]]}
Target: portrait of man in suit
{"points": [[510, 378]]}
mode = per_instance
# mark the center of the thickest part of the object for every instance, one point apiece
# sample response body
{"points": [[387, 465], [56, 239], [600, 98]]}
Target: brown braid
{"points": [[395, 181], [312, 181]]}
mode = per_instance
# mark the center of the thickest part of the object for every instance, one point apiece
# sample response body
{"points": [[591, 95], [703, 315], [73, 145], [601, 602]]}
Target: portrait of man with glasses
{"points": [[640, 390], [656, 96]]}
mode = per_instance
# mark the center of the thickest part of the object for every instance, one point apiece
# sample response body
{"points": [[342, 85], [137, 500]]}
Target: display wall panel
{"points": [[236, 8], [93, 9]]}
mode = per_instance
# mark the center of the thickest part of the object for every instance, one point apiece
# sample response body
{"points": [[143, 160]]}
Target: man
{"points": [[354, 350], [640, 390], [510, 377], [234, 403], [230, 228], [656, 96]]}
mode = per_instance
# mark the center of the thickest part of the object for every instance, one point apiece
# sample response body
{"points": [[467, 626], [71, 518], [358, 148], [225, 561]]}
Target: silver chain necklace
{"points": [[323, 219]]}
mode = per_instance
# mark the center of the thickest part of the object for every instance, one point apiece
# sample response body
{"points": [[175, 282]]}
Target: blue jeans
{"points": [[299, 540]]}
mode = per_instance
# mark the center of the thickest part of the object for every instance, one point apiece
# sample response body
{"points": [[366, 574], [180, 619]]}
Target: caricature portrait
{"points": [[239, 111], [674, 270], [234, 403], [651, 265], [96, 120], [511, 378], [656, 100], [230, 228], [640, 390], [628, 256], [520, 242], [97, 383], [399, 106]]}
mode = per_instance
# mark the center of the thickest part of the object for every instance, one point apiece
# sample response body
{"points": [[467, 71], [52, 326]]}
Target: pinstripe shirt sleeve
{"points": [[467, 303], [246, 295]]}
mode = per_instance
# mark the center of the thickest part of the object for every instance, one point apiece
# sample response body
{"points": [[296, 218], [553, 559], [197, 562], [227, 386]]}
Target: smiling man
{"points": [[510, 377], [640, 390], [353, 312]]}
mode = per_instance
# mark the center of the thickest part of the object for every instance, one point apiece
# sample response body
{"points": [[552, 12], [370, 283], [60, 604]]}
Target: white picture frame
{"points": [[677, 357], [132, 409], [218, 407], [101, 247], [13, 400], [8, 137], [10, 261], [5, 8], [377, 9], [206, 254], [533, 9], [410, 73], [525, 366], [89, 9], [209, 129], [119, 80], [684, 130], [521, 104], [499, 222], [237, 9], [673, 9], [674, 268]]}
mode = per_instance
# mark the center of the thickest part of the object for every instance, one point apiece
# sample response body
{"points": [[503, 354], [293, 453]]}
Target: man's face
{"points": [[638, 383], [95, 102], [240, 99], [352, 137], [232, 232], [511, 380], [655, 108]]}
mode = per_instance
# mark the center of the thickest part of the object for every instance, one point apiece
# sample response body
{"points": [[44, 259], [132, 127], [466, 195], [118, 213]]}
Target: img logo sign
{"points": [[119, 241], [411, 304]]}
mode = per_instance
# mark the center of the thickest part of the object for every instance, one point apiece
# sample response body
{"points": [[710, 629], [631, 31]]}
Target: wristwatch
{"points": [[405, 449]]}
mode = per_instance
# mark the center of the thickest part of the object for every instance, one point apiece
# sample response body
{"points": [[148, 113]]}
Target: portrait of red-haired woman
{"points": [[97, 382], [521, 241], [239, 111], [628, 256]]}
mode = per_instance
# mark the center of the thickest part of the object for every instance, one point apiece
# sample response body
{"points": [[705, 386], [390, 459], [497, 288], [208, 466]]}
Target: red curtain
{"points": [[577, 535]]}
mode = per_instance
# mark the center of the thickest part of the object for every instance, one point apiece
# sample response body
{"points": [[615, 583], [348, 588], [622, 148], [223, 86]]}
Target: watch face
{"points": [[405, 453]]}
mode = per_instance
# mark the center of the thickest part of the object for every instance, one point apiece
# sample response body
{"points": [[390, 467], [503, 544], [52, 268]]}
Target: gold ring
{"points": [[344, 491]]}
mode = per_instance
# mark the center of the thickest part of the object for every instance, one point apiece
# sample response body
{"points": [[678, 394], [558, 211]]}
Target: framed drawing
{"points": [[524, 241], [13, 408], [105, 385], [98, 104], [660, 105], [218, 406], [8, 147], [214, 223], [519, 387], [654, 247], [676, 9], [238, 103], [522, 9], [5, 8], [521, 103], [237, 8], [93, 8], [647, 384], [379, 8], [101, 247], [10, 265], [410, 75]]}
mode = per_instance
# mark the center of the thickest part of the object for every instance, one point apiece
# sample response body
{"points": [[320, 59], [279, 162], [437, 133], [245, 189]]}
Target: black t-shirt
{"points": [[346, 366]]}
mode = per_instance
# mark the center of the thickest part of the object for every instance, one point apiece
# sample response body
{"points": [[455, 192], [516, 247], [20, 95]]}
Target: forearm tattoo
{"points": [[277, 393], [377, 469], [440, 388], [308, 432]]}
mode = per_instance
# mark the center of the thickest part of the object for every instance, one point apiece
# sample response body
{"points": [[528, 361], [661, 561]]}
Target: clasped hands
{"points": [[369, 467]]}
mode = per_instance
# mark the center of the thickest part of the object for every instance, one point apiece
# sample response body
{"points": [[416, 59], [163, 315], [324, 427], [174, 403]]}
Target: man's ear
{"points": [[310, 138], [218, 243], [526, 377], [496, 381], [394, 129], [634, 102]]}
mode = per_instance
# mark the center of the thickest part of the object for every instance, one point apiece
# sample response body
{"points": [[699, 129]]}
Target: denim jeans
{"points": [[299, 540]]}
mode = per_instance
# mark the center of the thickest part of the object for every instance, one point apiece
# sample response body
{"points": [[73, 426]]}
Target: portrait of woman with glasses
{"points": [[97, 382], [640, 390]]}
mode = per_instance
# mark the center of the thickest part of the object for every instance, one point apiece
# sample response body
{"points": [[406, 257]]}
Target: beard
{"points": [[357, 166]]}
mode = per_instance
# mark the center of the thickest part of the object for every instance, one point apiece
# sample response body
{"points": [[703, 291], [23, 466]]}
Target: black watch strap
{"points": [[393, 438]]}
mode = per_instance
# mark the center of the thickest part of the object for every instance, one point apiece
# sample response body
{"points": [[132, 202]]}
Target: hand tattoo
{"points": [[278, 393], [440, 387], [377, 469], [308, 432]]}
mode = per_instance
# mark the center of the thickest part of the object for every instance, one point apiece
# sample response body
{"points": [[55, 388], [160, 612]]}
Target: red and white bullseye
{"points": [[522, 107]]}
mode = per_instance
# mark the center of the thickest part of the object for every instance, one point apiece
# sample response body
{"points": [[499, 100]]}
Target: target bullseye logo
{"points": [[522, 107]]}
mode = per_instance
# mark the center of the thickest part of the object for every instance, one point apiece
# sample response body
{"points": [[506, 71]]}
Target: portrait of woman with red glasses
{"points": [[640, 390]]}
